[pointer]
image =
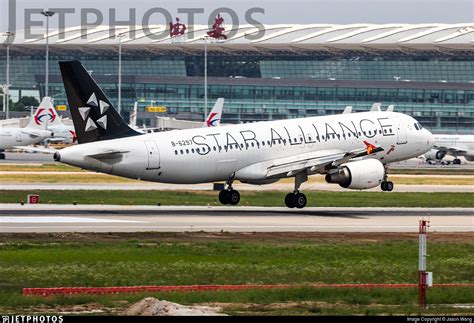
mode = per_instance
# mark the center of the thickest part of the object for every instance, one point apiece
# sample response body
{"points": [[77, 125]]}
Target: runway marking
{"points": [[58, 219]]}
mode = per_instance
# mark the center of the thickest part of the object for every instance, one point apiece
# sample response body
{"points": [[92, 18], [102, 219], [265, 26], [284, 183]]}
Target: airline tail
{"points": [[93, 115], [44, 116], [214, 117]]}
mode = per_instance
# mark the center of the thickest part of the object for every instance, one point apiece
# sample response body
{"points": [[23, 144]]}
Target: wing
{"points": [[314, 162], [451, 150], [36, 149]]}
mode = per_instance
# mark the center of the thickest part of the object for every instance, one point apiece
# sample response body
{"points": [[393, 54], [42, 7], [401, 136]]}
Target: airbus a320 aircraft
{"points": [[31, 134], [351, 150], [46, 115], [454, 145]]}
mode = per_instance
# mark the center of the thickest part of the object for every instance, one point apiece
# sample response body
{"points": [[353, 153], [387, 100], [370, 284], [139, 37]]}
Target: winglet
{"points": [[390, 108], [347, 110], [370, 147], [376, 107]]}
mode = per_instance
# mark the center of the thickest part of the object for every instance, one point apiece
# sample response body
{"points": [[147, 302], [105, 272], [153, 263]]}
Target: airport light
{"points": [[205, 75], [6, 106], [119, 104], [47, 14]]}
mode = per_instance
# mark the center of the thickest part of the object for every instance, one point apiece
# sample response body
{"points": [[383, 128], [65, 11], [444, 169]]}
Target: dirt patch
{"points": [[151, 306], [192, 237]]}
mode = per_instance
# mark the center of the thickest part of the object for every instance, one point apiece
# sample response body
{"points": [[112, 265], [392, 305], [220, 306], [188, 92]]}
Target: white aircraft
{"points": [[46, 115], [454, 145], [33, 133], [351, 150]]}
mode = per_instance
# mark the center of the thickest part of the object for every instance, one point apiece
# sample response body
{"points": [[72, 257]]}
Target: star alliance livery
{"points": [[351, 150]]}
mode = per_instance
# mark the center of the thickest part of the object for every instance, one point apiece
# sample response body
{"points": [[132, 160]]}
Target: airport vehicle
{"points": [[351, 150], [33, 133], [46, 115], [454, 145]]}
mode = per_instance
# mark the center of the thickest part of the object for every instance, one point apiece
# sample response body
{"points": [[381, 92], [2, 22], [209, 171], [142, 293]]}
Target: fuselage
{"points": [[463, 142], [213, 154], [10, 137]]}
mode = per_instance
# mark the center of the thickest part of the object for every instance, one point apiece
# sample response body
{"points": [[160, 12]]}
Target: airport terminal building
{"points": [[425, 70]]}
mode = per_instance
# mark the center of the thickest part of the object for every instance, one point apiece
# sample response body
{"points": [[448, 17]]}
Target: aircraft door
{"points": [[401, 131], [153, 155]]}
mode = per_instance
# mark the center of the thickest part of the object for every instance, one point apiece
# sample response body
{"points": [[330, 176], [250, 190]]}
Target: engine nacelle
{"points": [[470, 156], [358, 175], [435, 154]]}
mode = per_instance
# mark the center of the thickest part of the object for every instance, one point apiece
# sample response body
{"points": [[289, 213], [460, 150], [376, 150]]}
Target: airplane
{"points": [[46, 114], [454, 145], [33, 133], [213, 119], [352, 150]]}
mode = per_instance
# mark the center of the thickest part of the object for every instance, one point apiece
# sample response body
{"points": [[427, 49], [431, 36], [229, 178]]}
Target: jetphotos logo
{"points": [[42, 114], [154, 23]]}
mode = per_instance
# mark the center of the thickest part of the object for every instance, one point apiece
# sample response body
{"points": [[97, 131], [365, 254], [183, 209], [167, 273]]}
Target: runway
{"points": [[109, 218]]}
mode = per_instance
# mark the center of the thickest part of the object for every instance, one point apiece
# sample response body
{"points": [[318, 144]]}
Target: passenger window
{"points": [[253, 145], [181, 151], [187, 151], [263, 143], [175, 152]]}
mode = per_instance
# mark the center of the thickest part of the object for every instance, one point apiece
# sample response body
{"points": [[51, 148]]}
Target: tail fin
{"points": [[214, 117], [43, 116], [93, 115], [376, 107], [347, 109]]}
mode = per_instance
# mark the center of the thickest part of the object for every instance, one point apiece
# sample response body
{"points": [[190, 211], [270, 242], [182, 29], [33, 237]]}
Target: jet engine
{"points": [[358, 175], [435, 154]]}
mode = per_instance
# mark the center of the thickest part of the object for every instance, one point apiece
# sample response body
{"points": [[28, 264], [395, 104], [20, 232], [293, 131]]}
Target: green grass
{"points": [[157, 259], [265, 198]]}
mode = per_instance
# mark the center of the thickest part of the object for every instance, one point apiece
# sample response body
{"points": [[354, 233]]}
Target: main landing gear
{"points": [[386, 186], [297, 199], [229, 196], [456, 161]]}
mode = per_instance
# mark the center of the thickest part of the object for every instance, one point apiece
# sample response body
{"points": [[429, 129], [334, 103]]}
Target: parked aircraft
{"points": [[31, 134], [454, 145], [46, 115], [352, 150]]}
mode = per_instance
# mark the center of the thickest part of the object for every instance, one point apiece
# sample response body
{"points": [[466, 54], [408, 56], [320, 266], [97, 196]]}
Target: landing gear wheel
{"points": [[224, 197], [290, 200], [234, 197], [387, 186], [300, 200], [457, 161]]}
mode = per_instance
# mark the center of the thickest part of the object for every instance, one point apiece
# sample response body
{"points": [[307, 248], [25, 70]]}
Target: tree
{"points": [[25, 102]]}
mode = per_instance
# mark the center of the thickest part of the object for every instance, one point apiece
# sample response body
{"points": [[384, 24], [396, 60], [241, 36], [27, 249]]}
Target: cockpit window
{"points": [[418, 126]]}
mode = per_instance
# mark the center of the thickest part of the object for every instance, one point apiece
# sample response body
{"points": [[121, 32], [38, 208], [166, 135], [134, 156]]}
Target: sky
{"points": [[276, 11]]}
